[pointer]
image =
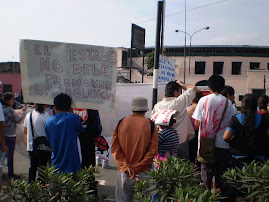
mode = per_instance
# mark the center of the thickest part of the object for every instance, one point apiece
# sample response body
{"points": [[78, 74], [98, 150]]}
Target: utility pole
{"points": [[157, 52]]}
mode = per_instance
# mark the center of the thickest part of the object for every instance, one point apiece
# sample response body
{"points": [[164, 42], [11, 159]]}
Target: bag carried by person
{"points": [[39, 143], [206, 153]]}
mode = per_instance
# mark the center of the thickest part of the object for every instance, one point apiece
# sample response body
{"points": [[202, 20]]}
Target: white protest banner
{"points": [[124, 95], [87, 73], [166, 69]]}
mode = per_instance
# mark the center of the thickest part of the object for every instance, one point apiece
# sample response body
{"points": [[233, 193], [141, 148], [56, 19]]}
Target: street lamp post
{"points": [[205, 28]]}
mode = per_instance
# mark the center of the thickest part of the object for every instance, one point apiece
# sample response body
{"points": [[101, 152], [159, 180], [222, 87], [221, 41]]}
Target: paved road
{"points": [[107, 176]]}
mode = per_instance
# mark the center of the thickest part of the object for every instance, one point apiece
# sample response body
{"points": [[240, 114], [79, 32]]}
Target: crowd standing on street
{"points": [[196, 127]]}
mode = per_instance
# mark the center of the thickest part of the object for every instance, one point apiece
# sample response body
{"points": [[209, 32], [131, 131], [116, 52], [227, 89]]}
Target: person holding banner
{"points": [[134, 145], [62, 131], [174, 100]]}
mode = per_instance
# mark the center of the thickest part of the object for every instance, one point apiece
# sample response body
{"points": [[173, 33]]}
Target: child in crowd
{"points": [[168, 137]]}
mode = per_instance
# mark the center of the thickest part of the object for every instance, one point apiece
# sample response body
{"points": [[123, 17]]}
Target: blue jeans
{"points": [[10, 142]]}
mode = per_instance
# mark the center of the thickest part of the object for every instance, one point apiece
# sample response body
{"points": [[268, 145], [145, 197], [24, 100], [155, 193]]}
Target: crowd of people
{"points": [[207, 130], [193, 127]]}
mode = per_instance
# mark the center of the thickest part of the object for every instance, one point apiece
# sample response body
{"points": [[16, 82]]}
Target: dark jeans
{"points": [[193, 147], [10, 142], [87, 143], [218, 168], [38, 158]]}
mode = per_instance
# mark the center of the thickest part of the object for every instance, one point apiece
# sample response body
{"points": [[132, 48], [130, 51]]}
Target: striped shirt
{"points": [[168, 141]]}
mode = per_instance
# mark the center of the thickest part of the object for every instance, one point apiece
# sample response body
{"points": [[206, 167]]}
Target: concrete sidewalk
{"points": [[106, 177]]}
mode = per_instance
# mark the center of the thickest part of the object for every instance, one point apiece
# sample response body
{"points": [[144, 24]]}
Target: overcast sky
{"points": [[108, 22]]}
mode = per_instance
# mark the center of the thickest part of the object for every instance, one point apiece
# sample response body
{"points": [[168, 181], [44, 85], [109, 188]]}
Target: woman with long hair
{"points": [[248, 133], [11, 120], [37, 143]]}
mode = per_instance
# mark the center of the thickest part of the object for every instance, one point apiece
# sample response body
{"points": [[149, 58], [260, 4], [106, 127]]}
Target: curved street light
{"points": [[205, 28]]}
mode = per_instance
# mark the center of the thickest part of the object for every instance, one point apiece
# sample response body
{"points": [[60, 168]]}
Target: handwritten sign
{"points": [[86, 73], [166, 69]]}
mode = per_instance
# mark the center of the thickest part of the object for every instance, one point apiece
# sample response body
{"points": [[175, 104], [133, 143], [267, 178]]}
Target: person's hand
{"points": [[5, 149], [130, 172], [24, 108]]}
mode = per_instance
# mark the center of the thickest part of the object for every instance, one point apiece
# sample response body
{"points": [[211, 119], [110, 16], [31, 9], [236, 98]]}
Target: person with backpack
{"points": [[248, 133], [248, 136], [212, 115], [134, 145], [37, 144]]}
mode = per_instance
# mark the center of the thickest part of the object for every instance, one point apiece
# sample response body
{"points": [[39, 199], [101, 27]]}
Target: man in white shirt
{"points": [[207, 115], [174, 100]]}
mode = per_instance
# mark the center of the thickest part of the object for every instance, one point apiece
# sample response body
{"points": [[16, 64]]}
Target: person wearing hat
{"points": [[134, 145]]}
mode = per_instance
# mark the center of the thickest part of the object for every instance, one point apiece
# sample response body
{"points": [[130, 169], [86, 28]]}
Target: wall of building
{"points": [[243, 83], [13, 79]]}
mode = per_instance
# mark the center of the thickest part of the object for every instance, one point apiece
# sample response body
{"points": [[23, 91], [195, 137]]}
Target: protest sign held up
{"points": [[86, 73], [166, 69]]}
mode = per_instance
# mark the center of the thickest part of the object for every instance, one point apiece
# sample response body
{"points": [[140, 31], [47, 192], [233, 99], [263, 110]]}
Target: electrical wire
{"points": [[217, 2]]}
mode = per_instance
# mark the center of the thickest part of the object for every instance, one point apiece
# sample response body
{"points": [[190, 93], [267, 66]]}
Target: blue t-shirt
{"points": [[62, 131]]}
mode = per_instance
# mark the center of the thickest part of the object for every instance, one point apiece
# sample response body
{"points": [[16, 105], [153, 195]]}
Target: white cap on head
{"points": [[140, 104]]}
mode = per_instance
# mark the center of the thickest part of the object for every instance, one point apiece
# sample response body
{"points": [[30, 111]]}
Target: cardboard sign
{"points": [[166, 69], [87, 73], [163, 117], [103, 147]]}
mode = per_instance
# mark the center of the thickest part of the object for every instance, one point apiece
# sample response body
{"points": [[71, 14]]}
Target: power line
{"points": [[217, 2]]}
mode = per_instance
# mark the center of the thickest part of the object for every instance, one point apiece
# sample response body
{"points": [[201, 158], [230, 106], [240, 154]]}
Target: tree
{"points": [[150, 59]]}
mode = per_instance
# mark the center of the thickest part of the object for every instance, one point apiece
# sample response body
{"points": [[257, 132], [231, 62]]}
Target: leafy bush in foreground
{"points": [[54, 186]]}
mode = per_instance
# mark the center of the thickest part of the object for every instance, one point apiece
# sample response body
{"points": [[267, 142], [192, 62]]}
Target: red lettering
{"points": [[48, 90], [44, 63], [57, 66], [76, 69], [36, 49], [108, 85], [86, 69], [95, 71], [73, 54], [84, 56], [37, 90], [46, 50], [112, 56], [104, 70]]}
